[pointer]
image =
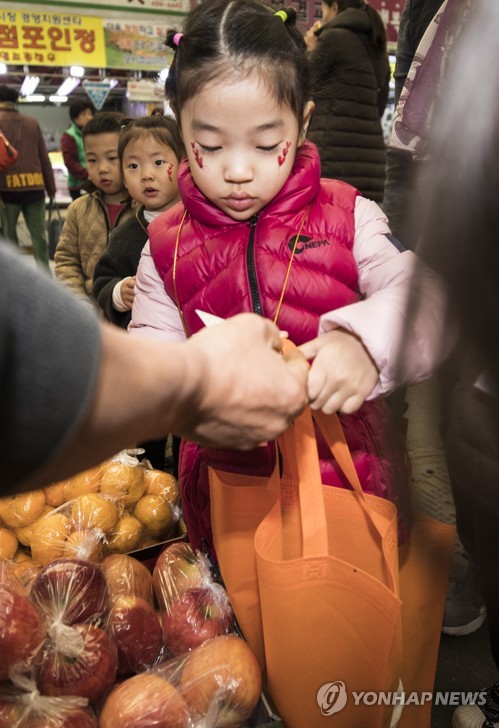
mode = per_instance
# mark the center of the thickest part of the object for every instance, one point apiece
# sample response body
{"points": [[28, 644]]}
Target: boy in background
{"points": [[73, 152], [91, 218]]}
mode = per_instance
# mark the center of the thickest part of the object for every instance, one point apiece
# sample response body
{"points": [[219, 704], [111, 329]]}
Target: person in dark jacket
{"points": [[149, 150], [350, 78], [73, 152], [459, 239], [24, 184]]}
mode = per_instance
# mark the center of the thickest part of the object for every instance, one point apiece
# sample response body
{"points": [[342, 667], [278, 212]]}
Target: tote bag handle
{"points": [[301, 465]]}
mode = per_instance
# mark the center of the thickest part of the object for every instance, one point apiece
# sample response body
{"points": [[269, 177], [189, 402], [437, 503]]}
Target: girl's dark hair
{"points": [[222, 35], [164, 129], [379, 30], [105, 122]]}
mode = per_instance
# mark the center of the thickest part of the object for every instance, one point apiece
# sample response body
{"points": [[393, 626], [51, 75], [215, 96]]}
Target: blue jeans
{"points": [[34, 216]]}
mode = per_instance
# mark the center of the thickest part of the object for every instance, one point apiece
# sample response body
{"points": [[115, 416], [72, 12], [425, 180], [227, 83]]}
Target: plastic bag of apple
{"points": [[82, 625], [117, 507]]}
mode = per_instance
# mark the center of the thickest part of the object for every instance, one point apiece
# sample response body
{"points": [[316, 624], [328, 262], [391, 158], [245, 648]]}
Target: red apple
{"points": [[137, 633], [126, 576], [80, 661], [177, 569], [222, 676], [196, 616], [144, 701], [71, 590], [22, 628], [59, 716]]}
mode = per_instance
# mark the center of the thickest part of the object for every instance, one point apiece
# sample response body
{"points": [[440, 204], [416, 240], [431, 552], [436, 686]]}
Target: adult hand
{"points": [[249, 392], [342, 374]]}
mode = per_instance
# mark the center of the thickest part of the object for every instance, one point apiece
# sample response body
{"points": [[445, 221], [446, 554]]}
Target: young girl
{"points": [[258, 230], [149, 150]]}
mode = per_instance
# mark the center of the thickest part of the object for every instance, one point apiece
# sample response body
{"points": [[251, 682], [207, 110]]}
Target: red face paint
{"points": [[197, 155], [282, 157], [169, 171]]}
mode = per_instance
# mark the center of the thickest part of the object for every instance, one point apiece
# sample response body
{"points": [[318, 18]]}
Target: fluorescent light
{"points": [[35, 98], [113, 82], [3, 68], [58, 99], [29, 85], [67, 86], [77, 71]]}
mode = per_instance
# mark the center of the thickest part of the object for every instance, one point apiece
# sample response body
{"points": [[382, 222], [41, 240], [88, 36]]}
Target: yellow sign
{"points": [[51, 39]]}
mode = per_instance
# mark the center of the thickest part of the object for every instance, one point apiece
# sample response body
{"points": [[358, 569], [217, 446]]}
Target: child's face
{"points": [[101, 152], [241, 144], [150, 172]]}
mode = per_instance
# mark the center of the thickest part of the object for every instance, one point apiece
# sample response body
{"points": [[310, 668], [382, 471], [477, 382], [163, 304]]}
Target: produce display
{"points": [[117, 507], [98, 645]]}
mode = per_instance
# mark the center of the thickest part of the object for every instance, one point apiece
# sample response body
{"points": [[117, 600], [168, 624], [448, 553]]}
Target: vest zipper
{"points": [[250, 262]]}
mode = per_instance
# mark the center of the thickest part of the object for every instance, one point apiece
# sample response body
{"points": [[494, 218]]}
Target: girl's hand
{"points": [[127, 291], [342, 374]]}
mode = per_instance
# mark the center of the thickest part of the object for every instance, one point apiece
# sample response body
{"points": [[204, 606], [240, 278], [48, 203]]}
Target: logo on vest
{"points": [[305, 242]]}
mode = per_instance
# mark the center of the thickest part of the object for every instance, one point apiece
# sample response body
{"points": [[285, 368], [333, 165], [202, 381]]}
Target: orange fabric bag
{"points": [[315, 586]]}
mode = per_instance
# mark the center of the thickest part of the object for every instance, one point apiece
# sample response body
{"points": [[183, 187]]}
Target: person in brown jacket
{"points": [[23, 185], [90, 218]]}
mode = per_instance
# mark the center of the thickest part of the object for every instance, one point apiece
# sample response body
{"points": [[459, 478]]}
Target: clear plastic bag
{"points": [[22, 626], [79, 655], [216, 685], [194, 607]]}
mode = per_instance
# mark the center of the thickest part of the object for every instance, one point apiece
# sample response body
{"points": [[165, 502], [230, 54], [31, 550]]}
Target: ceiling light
{"points": [[58, 99], [77, 71], [3, 68], [67, 86], [29, 85], [35, 98]]}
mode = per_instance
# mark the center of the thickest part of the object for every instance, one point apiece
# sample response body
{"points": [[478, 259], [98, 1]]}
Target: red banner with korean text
{"points": [[51, 39]]}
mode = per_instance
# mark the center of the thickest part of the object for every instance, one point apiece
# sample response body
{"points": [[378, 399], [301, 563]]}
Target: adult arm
{"points": [[69, 151], [74, 391]]}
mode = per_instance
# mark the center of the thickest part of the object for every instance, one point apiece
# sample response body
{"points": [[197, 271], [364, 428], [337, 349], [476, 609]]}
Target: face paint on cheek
{"points": [[169, 171], [197, 155], [282, 157]]}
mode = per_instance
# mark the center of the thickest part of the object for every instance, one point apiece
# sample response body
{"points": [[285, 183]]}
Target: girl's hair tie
{"points": [[177, 38], [282, 14]]}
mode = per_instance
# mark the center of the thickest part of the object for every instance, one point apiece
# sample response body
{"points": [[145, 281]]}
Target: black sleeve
{"points": [[49, 361], [119, 260]]}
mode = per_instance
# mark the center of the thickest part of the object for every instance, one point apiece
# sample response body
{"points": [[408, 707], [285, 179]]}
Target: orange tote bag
{"points": [[316, 591]]}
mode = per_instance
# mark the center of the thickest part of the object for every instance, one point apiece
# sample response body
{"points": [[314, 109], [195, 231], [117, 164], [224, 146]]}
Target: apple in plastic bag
{"points": [[81, 661], [127, 576], [222, 677], [196, 616], [137, 633], [22, 629], [59, 718], [10, 713], [70, 591], [144, 701], [177, 569]]}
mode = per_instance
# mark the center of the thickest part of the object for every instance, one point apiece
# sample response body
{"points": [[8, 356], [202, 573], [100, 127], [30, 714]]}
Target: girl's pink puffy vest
{"points": [[227, 267]]}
